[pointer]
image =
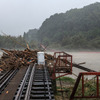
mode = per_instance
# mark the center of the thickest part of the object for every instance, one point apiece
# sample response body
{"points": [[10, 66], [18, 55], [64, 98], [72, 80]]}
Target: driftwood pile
{"points": [[17, 59]]}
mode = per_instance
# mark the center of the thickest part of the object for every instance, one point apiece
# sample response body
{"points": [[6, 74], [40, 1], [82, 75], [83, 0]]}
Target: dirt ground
{"points": [[11, 88]]}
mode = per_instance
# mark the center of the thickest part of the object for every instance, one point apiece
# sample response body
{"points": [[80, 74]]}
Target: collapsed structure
{"points": [[16, 59]]}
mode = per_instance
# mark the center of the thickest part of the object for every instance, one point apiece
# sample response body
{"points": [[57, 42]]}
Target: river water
{"points": [[91, 59]]}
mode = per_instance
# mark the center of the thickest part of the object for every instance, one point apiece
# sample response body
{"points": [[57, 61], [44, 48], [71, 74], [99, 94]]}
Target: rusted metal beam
{"points": [[75, 86], [62, 64], [83, 68], [72, 97]]}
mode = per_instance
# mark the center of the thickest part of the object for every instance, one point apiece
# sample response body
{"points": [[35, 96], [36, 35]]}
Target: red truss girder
{"points": [[61, 56], [81, 75]]}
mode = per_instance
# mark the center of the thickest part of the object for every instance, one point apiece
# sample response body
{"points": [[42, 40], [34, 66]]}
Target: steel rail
{"points": [[2, 76], [44, 83], [32, 86], [27, 96], [49, 93], [6, 81], [17, 97], [5, 75]]}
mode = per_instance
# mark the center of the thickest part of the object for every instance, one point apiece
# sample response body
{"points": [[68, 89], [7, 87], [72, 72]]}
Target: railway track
{"points": [[4, 79], [36, 85]]}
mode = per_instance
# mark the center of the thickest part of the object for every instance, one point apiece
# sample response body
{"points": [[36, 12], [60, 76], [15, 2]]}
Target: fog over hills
{"points": [[75, 29]]}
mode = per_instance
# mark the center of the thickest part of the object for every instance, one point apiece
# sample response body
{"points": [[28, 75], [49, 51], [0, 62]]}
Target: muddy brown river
{"points": [[91, 59]]}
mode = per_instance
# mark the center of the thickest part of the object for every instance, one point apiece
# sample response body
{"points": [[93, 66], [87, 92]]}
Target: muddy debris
{"points": [[18, 58]]}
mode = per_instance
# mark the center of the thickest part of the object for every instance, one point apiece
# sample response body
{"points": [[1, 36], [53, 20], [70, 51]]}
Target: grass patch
{"points": [[67, 79]]}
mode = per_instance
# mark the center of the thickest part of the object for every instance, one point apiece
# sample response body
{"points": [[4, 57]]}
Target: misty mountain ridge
{"points": [[75, 29]]}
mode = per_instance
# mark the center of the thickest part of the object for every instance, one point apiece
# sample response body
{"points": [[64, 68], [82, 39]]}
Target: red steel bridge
{"points": [[63, 65]]}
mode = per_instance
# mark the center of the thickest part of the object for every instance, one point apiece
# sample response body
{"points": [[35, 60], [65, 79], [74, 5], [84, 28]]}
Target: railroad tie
{"points": [[36, 85]]}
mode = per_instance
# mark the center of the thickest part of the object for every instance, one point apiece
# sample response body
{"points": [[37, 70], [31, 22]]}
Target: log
{"points": [[17, 59]]}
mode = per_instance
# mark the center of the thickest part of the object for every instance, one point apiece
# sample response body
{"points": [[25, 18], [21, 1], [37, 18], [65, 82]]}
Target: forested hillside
{"points": [[12, 42], [75, 29], [20, 42], [30, 35], [31, 38]]}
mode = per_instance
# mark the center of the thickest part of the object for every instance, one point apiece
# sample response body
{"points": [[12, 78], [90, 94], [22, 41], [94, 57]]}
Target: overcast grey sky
{"points": [[18, 16]]}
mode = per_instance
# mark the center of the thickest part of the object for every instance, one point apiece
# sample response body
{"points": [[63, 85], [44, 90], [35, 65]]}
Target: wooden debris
{"points": [[17, 59]]}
